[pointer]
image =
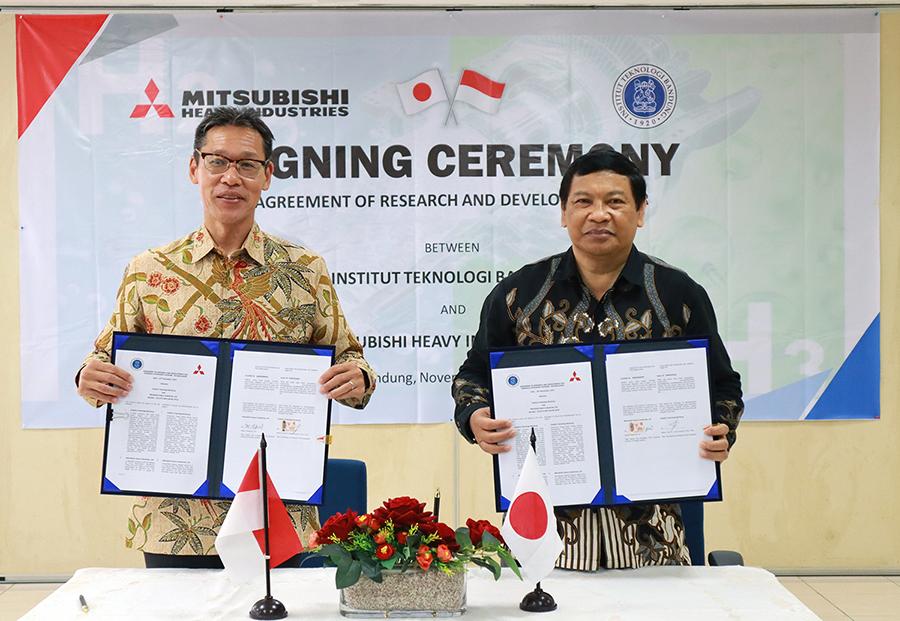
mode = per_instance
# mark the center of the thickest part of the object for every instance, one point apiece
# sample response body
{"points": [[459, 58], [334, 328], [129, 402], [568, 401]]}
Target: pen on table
{"points": [[437, 503], [84, 606]]}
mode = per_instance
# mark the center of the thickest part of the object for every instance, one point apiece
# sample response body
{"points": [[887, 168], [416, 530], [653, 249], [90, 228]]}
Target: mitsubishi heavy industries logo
{"points": [[163, 111], [279, 102], [427, 89]]}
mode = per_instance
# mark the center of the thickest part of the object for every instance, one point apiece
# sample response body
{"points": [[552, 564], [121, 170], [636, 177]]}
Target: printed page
{"points": [[658, 404], [278, 394], [159, 433], [557, 401]]}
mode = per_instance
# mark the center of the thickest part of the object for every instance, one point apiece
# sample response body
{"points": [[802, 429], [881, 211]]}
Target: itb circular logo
{"points": [[136, 363], [512, 380], [644, 96]]}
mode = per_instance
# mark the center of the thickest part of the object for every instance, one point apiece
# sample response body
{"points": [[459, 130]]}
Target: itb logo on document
{"points": [[644, 96]]}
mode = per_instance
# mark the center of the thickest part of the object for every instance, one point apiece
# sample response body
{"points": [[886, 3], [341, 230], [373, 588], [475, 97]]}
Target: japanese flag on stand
{"points": [[479, 91], [423, 91], [530, 526], [241, 540]]}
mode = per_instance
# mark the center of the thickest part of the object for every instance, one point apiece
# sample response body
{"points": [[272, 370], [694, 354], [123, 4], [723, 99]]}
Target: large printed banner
{"points": [[420, 153]]}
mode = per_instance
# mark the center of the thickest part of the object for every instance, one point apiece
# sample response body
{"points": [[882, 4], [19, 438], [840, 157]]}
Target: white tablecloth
{"points": [[652, 593]]}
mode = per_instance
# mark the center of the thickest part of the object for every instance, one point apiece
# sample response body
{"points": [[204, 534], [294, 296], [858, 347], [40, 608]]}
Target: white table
{"points": [[652, 593]]}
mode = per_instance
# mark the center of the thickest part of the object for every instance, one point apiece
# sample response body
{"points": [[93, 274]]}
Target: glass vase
{"points": [[413, 593]]}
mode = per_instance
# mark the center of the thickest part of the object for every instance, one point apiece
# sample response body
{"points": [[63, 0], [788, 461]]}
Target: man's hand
{"points": [[717, 448], [490, 433], [103, 381], [343, 381]]}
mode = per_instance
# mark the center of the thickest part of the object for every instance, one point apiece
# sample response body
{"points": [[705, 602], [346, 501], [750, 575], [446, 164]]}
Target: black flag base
{"points": [[538, 601], [270, 608]]}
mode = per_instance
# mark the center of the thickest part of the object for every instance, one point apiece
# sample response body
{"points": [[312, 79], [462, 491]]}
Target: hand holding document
{"points": [[615, 423], [198, 406]]}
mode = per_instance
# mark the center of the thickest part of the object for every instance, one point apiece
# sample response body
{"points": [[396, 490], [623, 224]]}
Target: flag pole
{"points": [[537, 600], [268, 607]]}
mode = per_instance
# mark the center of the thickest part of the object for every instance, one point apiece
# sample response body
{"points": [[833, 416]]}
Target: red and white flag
{"points": [[423, 91], [241, 540], [530, 526], [479, 91]]}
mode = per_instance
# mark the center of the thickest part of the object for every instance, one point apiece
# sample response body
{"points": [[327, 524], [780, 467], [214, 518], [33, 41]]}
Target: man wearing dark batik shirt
{"points": [[601, 289]]}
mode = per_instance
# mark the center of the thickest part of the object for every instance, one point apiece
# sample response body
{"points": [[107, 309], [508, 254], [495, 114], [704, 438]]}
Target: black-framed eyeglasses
{"points": [[218, 164]]}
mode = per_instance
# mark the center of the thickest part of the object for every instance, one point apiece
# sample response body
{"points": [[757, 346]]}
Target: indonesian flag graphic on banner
{"points": [[530, 526], [241, 540], [479, 91], [423, 91]]}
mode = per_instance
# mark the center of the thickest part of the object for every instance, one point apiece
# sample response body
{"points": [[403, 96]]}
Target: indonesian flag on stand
{"points": [[479, 91], [423, 91], [530, 526], [241, 540]]}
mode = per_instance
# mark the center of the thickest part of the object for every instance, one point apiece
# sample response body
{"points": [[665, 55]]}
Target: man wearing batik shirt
{"points": [[601, 289], [228, 279]]}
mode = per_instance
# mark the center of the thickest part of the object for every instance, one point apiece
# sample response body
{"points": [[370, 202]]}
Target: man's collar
{"points": [[632, 272], [253, 246]]}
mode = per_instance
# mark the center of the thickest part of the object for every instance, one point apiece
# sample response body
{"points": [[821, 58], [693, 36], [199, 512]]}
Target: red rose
{"points": [[363, 520], [170, 285], [403, 512], [384, 551], [379, 538], [148, 325], [340, 525], [424, 557], [443, 553], [373, 523], [202, 324], [401, 538], [446, 534], [478, 528], [154, 279]]}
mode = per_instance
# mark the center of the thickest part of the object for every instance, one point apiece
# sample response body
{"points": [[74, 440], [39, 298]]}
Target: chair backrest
{"points": [[692, 516], [345, 488]]}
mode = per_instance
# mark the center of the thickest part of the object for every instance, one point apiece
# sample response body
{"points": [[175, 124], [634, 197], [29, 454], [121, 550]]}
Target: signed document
{"points": [[199, 407], [277, 394], [658, 405], [159, 434], [615, 423]]}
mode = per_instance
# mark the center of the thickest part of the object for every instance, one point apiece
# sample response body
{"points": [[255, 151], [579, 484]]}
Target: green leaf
{"points": [[489, 542], [186, 256], [132, 525], [336, 554], [389, 563], [462, 537], [489, 564], [370, 569], [510, 561], [150, 299], [141, 276], [348, 575], [145, 523], [163, 305]]}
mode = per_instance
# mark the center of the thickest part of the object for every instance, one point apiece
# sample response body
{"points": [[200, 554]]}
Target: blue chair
{"points": [[345, 488], [692, 516]]}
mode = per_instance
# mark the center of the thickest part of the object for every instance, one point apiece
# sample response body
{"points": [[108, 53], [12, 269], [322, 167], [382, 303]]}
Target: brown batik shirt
{"points": [[269, 290], [545, 303]]}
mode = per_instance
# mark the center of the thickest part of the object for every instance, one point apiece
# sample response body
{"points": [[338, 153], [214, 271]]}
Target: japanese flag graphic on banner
{"points": [[479, 91], [241, 539], [423, 91], [530, 526]]}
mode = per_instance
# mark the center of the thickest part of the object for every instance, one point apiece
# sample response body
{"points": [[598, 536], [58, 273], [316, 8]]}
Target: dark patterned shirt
{"points": [[545, 303]]}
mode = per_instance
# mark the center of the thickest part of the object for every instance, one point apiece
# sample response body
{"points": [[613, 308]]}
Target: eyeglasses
{"points": [[218, 164]]}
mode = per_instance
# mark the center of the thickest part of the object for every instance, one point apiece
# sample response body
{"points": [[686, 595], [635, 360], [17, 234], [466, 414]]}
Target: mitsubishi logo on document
{"points": [[574, 377], [142, 110], [199, 370]]}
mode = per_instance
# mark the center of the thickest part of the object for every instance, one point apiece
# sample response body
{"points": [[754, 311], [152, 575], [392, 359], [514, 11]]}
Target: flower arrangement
{"points": [[401, 535]]}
